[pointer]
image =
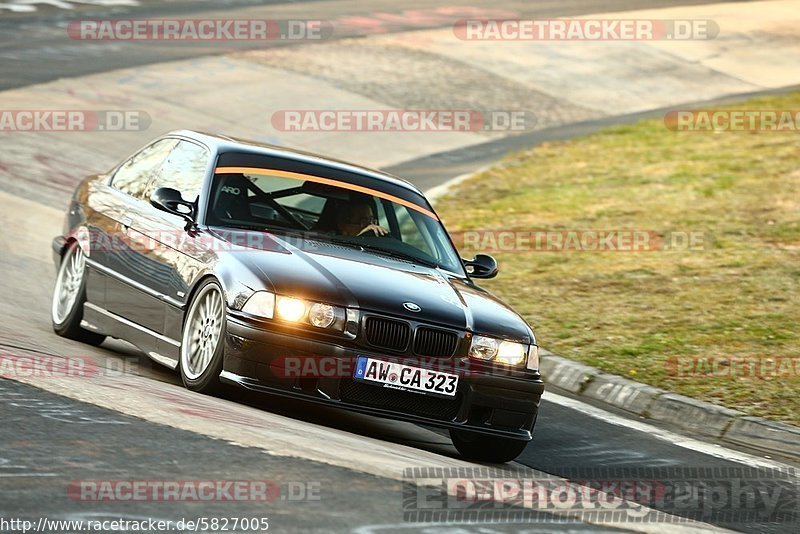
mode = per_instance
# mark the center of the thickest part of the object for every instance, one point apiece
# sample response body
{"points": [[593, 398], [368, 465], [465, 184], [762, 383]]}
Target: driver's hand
{"points": [[374, 228]]}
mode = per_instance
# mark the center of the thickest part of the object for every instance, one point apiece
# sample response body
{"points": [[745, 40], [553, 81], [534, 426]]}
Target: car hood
{"points": [[345, 276]]}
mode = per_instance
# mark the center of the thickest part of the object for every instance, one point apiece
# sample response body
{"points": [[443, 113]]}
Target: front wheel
{"points": [[69, 295], [482, 447], [202, 340]]}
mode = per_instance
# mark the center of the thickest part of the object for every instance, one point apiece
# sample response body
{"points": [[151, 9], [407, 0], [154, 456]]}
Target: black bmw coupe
{"points": [[278, 271]]}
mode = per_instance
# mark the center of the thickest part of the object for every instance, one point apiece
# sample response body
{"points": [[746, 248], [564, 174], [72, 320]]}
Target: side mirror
{"points": [[481, 266], [171, 201]]}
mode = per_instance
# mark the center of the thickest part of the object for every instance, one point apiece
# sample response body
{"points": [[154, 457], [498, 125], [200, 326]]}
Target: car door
{"points": [[125, 195], [165, 250]]}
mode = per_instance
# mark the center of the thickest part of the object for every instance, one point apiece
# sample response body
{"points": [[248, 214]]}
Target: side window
{"points": [[133, 175], [184, 170]]}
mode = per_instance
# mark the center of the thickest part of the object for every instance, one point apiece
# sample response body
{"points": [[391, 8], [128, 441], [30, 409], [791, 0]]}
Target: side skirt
{"points": [[97, 319]]}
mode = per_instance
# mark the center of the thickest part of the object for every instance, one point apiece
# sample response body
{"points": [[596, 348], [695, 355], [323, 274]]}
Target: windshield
{"points": [[312, 207]]}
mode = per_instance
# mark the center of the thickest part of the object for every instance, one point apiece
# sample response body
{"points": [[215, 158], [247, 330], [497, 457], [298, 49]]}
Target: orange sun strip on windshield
{"points": [[325, 181]]}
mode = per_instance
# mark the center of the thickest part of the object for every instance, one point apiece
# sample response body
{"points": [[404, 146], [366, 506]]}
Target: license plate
{"points": [[405, 377]]}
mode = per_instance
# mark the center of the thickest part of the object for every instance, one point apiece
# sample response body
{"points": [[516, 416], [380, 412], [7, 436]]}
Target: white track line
{"points": [[702, 447]]}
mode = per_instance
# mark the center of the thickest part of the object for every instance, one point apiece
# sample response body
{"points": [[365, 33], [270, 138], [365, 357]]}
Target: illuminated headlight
{"points": [[491, 349], [321, 315], [294, 310], [290, 309], [261, 303], [511, 353]]}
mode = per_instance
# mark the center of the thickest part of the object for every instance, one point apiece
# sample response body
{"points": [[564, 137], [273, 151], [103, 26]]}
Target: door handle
{"points": [[126, 222]]}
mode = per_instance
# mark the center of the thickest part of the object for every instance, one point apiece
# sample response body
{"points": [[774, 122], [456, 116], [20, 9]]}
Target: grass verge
{"points": [[732, 299]]}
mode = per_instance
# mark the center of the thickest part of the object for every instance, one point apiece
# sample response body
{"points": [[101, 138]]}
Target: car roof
{"points": [[223, 143]]}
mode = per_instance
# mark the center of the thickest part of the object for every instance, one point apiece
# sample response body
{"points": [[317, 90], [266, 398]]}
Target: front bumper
{"points": [[485, 402]]}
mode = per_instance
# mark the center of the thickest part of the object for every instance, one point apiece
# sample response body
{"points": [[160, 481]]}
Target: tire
{"points": [[69, 295], [482, 447], [202, 340]]}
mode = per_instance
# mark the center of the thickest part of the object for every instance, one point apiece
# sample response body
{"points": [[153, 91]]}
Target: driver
{"points": [[358, 218]]}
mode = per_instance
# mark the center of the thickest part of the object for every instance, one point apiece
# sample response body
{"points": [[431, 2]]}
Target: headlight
{"points": [[261, 303], [491, 349], [294, 310], [290, 309], [483, 348], [321, 315], [511, 353]]}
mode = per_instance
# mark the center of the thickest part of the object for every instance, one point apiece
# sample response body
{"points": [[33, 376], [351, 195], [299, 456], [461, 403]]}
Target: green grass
{"points": [[628, 312]]}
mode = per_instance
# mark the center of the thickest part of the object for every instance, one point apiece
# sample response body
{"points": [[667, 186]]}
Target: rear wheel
{"points": [[69, 295], [202, 340], [486, 448]]}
